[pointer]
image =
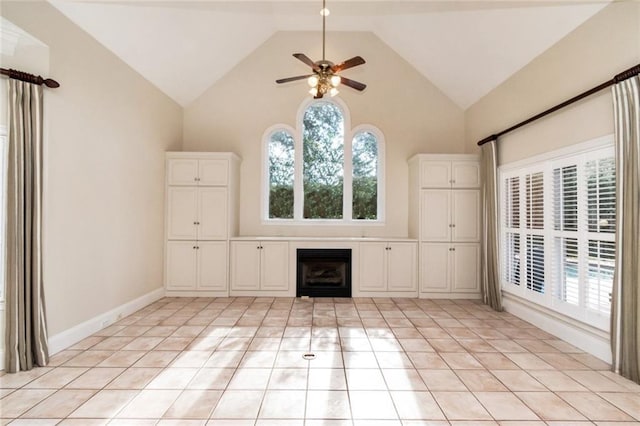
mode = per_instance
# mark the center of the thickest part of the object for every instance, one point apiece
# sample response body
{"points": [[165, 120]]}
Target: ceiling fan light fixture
{"points": [[313, 81], [325, 78]]}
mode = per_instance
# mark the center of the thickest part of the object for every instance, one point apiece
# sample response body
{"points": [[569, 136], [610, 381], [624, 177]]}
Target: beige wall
{"points": [[412, 113], [603, 46], [106, 132]]}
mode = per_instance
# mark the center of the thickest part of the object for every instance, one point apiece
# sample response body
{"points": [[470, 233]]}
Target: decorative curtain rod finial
{"points": [[29, 78]]}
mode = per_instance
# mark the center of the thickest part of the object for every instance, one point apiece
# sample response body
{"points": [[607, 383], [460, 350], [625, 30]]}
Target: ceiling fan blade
{"points": [[349, 63], [352, 83], [304, 58], [299, 77]]}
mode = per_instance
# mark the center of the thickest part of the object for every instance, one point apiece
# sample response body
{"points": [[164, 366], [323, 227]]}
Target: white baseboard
{"points": [[580, 335], [187, 293], [434, 295], [75, 334], [395, 294]]}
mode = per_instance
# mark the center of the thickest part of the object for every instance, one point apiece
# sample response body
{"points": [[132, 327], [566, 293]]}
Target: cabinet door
{"points": [[245, 265], [435, 215], [212, 213], [372, 262], [465, 267], [434, 274], [465, 174], [213, 172], [181, 265], [275, 266], [182, 213], [435, 174], [182, 172], [401, 267], [212, 265], [466, 215]]}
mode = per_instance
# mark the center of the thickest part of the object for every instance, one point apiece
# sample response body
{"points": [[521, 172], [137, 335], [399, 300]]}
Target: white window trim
{"points": [[546, 162], [298, 191]]}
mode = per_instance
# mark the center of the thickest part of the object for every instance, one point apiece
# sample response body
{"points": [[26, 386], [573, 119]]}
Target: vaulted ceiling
{"points": [[465, 48]]}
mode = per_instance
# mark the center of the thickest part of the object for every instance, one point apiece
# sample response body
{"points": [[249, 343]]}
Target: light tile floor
{"points": [[238, 361]]}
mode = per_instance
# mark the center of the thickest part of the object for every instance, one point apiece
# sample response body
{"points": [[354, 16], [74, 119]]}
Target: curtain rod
{"points": [[29, 78], [631, 72]]}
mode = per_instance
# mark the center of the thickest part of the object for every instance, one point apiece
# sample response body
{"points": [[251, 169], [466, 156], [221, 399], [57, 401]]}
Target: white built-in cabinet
{"points": [[445, 216], [259, 266], [200, 216], [388, 267]]}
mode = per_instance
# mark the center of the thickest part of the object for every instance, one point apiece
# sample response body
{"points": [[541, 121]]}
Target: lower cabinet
{"points": [[451, 268], [259, 266], [387, 267], [196, 265]]}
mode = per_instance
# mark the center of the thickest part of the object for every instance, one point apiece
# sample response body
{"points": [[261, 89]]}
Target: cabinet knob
{"points": [[453, 225], [194, 247]]}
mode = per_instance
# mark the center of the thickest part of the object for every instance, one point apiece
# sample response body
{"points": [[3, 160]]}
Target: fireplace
{"points": [[323, 273]]}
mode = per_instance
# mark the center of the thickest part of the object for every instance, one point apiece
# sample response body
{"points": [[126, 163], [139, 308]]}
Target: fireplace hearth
{"points": [[323, 273]]}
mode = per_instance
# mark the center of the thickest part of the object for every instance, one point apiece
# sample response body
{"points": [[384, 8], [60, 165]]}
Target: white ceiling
{"points": [[466, 48]]}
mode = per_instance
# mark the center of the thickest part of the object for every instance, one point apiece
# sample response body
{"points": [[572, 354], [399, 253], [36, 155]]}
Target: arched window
{"points": [[323, 161], [365, 176], [281, 174], [323, 171]]}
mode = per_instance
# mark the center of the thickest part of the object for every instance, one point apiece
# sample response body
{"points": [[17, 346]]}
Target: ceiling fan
{"points": [[325, 78]]}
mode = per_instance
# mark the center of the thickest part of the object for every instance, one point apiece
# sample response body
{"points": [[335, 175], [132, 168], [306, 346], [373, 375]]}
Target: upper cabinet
{"points": [[196, 213], [446, 173], [197, 172]]}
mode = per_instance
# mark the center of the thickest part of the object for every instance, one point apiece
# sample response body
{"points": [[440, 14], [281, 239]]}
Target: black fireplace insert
{"points": [[323, 273]]}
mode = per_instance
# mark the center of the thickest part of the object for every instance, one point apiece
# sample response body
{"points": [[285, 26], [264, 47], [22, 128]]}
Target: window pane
{"points": [[323, 161], [601, 262], [565, 200], [566, 275], [512, 208], [365, 176], [281, 175], [512, 258], [535, 201], [601, 196], [535, 263]]}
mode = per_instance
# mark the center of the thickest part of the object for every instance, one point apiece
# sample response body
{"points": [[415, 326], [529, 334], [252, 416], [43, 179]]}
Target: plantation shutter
{"points": [[534, 207]]}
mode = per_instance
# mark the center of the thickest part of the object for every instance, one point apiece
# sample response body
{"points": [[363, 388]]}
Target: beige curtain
{"points": [[625, 315], [26, 331], [491, 293]]}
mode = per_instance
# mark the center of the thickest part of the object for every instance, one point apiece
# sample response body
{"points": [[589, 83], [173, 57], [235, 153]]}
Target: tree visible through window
{"points": [[323, 161], [365, 176], [281, 175], [315, 154]]}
